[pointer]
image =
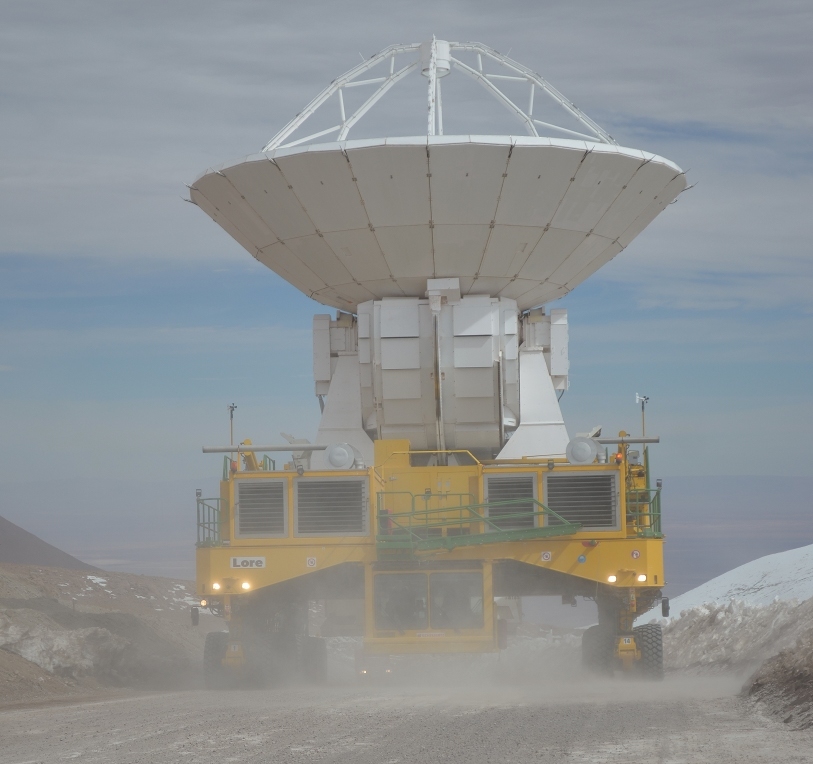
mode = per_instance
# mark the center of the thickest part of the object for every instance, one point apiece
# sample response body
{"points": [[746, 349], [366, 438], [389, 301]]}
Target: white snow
{"points": [[782, 576], [97, 580]]}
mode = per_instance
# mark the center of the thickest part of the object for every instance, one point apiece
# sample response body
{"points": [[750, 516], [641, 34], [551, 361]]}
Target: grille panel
{"points": [[261, 508], [586, 499], [506, 488], [330, 507]]}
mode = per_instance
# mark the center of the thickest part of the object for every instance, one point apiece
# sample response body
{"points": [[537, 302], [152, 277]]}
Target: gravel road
{"points": [[680, 720]]}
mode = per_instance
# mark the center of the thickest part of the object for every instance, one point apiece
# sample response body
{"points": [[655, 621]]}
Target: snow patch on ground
{"points": [[736, 636], [67, 652], [784, 576]]}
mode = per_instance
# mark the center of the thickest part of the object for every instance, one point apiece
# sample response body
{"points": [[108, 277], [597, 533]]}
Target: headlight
{"points": [[612, 579], [246, 585], [642, 577], [203, 603], [215, 586]]}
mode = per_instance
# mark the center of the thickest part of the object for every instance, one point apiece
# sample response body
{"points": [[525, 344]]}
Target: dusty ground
{"points": [[695, 720]]}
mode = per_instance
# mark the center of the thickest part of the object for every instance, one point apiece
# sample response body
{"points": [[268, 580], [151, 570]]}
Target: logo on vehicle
{"points": [[248, 562], [546, 556], [635, 554], [310, 562]]}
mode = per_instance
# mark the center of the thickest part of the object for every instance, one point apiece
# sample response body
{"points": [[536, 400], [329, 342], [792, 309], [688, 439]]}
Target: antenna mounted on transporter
{"points": [[440, 252]]}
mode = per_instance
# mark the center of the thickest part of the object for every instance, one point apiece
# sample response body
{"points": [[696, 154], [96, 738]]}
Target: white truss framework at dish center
{"points": [[434, 99]]}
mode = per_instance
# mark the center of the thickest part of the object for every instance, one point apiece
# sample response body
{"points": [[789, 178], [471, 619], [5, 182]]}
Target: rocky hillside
{"points": [[65, 632]]}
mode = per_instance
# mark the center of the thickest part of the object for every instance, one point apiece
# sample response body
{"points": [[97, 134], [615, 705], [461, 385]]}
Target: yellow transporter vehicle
{"points": [[423, 547], [442, 473]]}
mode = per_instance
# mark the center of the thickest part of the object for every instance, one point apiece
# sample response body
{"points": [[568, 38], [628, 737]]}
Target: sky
{"points": [[129, 320]]}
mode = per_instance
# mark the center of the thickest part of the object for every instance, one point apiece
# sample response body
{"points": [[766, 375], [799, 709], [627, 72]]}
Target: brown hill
{"points": [[20, 547]]}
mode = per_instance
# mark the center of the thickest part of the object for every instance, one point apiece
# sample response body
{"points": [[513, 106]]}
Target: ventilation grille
{"points": [[508, 488], [586, 499], [261, 508], [327, 507]]}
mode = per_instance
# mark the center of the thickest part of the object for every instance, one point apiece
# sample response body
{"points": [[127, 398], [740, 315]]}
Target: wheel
{"points": [[314, 659], [649, 640], [597, 650], [215, 674]]}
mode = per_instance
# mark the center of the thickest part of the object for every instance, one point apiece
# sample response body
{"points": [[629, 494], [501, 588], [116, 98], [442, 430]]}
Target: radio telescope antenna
{"points": [[438, 249]]}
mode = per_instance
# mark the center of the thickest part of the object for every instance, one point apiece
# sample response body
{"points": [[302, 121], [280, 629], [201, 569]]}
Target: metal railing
{"points": [[450, 522], [208, 522], [644, 512]]}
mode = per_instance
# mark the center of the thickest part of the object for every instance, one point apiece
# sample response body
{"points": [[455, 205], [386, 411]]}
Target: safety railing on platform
{"points": [[208, 522], [644, 512], [425, 522]]}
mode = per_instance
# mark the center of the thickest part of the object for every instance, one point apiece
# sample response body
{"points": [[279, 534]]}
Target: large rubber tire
{"points": [[649, 640], [314, 660], [597, 650], [215, 674]]}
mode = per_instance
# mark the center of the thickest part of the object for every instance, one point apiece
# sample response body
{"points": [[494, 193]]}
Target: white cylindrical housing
{"points": [[443, 57]]}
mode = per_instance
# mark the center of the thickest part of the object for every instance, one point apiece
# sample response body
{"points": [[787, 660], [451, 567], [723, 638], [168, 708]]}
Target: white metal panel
{"points": [[649, 180], [538, 178], [314, 252], [473, 316], [474, 383], [321, 348], [517, 287], [394, 184], [659, 203], [408, 252], [591, 247], [598, 181], [473, 352], [559, 363], [266, 190], [552, 250], [230, 204], [475, 410], [364, 351], [323, 182], [345, 296], [466, 181], [541, 294], [459, 249], [399, 318], [201, 201], [511, 350], [400, 353], [281, 260], [359, 252], [363, 323], [486, 286], [604, 258], [510, 323], [509, 247], [402, 383]]}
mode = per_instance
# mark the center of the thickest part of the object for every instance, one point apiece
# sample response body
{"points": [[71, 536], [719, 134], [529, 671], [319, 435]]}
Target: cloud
{"points": [[110, 112]]}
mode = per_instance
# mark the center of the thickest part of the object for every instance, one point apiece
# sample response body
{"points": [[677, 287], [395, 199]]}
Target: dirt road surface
{"points": [[681, 720]]}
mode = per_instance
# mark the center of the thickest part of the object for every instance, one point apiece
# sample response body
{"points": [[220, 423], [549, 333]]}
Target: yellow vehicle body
{"points": [[430, 515]]}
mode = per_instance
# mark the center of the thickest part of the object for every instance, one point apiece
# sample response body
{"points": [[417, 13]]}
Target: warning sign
{"points": [[635, 554]]}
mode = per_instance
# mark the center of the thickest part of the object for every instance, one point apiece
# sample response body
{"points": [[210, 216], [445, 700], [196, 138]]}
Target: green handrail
{"points": [[423, 529], [644, 511], [208, 522]]}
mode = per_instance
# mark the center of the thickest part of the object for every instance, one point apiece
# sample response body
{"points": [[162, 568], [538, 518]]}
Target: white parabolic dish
{"points": [[525, 217]]}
